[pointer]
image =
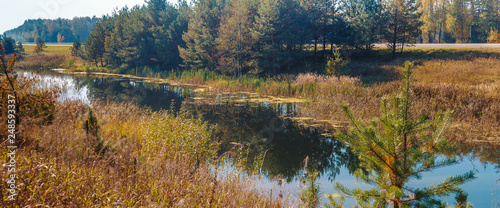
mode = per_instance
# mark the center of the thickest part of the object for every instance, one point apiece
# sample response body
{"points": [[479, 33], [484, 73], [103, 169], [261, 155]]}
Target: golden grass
{"points": [[59, 166], [465, 81], [48, 50], [480, 73], [52, 57]]}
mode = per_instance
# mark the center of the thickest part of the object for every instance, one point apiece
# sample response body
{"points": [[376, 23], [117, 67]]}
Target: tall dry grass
{"points": [[39, 62], [149, 160], [470, 87]]}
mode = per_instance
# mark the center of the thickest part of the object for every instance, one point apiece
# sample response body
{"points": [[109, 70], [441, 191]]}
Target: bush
{"points": [[167, 135], [40, 44], [32, 105], [494, 36]]}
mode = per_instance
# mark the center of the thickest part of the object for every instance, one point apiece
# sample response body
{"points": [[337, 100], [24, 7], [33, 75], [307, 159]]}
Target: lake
{"points": [[272, 131]]}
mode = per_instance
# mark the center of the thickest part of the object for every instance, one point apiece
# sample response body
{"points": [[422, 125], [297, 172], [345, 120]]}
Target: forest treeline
{"points": [[58, 30], [254, 36]]}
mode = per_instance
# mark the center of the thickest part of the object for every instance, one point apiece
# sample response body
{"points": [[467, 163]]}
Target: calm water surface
{"points": [[267, 130]]}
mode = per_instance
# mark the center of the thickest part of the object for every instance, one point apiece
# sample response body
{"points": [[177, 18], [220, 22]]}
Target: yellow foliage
{"points": [[494, 36], [166, 135]]}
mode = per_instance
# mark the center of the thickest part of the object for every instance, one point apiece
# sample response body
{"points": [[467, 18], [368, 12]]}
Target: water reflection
{"points": [[284, 143], [157, 97]]}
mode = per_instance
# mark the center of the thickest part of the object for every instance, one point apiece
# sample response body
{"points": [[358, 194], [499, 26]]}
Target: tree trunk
{"points": [[324, 34], [403, 41], [324, 44], [394, 40], [440, 32], [315, 46], [331, 47]]}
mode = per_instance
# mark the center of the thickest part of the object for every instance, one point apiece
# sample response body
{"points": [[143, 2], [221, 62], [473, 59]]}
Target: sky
{"points": [[14, 12]]}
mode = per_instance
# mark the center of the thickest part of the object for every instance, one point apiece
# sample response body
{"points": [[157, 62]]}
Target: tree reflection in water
{"points": [[261, 128], [284, 143]]}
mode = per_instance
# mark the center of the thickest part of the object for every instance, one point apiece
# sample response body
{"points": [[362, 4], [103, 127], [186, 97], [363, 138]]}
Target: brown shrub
{"points": [[41, 62]]}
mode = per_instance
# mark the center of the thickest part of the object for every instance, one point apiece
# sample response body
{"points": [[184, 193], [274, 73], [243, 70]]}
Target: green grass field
{"points": [[48, 50]]}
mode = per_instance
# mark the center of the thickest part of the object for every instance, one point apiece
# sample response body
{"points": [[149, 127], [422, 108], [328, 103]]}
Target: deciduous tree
{"points": [[235, 41]]}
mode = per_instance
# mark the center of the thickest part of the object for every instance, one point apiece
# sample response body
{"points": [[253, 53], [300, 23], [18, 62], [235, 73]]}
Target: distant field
{"points": [[49, 50], [51, 44]]}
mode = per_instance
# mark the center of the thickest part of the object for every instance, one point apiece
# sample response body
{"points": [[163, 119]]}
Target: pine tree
{"points": [[330, 22], [314, 10], [75, 49], [201, 48], [181, 23], [19, 48], [167, 34], [364, 20], [9, 44], [158, 49], [293, 32], [265, 32], [403, 22], [396, 148], [115, 44], [94, 46]]}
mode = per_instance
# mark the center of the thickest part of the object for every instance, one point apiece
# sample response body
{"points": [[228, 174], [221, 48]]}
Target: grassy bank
{"points": [[134, 158], [464, 80]]}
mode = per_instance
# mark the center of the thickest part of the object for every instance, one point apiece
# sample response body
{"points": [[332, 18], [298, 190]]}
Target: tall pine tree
{"points": [[201, 48], [266, 32], [365, 21], [94, 46]]}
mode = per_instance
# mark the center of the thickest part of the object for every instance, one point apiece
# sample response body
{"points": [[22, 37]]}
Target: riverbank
{"points": [[124, 155], [464, 80]]}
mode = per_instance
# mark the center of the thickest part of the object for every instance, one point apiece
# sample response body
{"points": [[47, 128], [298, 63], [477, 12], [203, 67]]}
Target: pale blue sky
{"points": [[14, 12]]}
